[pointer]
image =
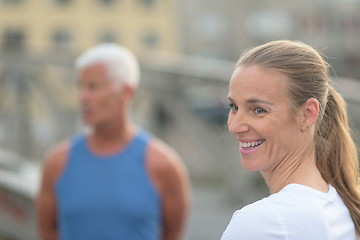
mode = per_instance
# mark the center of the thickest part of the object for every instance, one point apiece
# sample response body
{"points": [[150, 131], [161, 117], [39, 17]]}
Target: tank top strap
{"points": [[78, 143], [138, 146], [143, 136]]}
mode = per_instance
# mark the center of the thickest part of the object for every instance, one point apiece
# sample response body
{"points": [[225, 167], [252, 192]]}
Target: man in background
{"points": [[116, 181]]}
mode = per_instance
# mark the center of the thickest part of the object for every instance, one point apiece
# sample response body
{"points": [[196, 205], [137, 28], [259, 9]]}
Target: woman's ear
{"points": [[310, 113]]}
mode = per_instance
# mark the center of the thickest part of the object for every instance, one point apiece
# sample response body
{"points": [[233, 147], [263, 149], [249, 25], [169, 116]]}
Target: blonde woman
{"points": [[292, 127]]}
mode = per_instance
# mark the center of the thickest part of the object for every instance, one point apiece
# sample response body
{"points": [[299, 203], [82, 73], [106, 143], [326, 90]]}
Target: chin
{"points": [[89, 122], [250, 166]]}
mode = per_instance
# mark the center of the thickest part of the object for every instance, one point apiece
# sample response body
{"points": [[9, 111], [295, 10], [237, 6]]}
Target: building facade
{"points": [[224, 29], [69, 26]]}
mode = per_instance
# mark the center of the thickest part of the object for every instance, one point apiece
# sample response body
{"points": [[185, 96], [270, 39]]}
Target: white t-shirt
{"points": [[297, 212]]}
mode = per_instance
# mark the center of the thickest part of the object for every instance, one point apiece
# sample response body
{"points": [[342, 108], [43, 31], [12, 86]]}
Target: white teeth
{"points": [[251, 144]]}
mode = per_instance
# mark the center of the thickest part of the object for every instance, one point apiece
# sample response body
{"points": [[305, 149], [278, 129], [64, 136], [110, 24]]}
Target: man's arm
{"points": [[46, 209], [171, 180]]}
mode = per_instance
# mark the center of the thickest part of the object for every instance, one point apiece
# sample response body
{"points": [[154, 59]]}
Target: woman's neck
{"points": [[300, 169]]}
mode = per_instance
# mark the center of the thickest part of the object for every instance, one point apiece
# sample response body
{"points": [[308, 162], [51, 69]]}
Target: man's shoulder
{"points": [[58, 151], [161, 155], [164, 164], [159, 147], [56, 158]]}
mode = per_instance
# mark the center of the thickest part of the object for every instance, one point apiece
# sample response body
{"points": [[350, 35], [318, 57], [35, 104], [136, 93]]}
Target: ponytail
{"points": [[336, 156]]}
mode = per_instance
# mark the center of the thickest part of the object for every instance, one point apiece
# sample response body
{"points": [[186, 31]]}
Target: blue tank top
{"points": [[106, 198]]}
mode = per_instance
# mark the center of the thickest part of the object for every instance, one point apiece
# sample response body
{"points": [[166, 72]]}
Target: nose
{"points": [[237, 123], [83, 94]]}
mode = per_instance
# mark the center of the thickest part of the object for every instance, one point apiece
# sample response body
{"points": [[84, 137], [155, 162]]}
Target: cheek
{"points": [[283, 136], [105, 98], [229, 120], [112, 102]]}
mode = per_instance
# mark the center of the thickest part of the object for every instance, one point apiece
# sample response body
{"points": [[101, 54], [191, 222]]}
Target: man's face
{"points": [[99, 97]]}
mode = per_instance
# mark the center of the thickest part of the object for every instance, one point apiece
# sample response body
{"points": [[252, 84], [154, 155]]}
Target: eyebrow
{"points": [[254, 100]]}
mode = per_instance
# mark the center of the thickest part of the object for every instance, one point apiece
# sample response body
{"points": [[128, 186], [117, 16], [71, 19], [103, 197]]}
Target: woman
{"points": [[292, 127]]}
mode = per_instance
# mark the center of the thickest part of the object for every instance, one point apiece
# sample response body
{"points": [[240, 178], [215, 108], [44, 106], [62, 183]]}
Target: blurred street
{"points": [[211, 213]]}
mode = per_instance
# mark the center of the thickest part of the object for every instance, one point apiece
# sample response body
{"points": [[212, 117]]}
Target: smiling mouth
{"points": [[250, 145]]}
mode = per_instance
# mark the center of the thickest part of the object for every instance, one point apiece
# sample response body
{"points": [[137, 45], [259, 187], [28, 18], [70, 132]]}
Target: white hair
{"points": [[121, 64]]}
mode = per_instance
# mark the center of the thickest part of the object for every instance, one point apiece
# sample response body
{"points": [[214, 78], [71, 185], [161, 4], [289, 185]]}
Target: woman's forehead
{"points": [[257, 82]]}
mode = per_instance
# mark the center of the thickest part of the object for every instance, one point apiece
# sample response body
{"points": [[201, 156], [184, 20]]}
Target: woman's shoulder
{"points": [[258, 220], [298, 202], [279, 205], [278, 216]]}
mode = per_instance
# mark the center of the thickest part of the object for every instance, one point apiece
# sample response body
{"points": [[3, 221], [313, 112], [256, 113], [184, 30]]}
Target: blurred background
{"points": [[187, 50]]}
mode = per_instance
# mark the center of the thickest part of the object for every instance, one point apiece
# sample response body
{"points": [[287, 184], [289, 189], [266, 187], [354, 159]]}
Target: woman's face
{"points": [[261, 118]]}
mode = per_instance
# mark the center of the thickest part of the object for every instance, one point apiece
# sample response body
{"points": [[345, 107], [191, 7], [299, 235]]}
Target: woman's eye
{"points": [[259, 110], [233, 107]]}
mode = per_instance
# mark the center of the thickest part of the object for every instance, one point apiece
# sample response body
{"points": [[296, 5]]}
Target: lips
{"points": [[250, 146]]}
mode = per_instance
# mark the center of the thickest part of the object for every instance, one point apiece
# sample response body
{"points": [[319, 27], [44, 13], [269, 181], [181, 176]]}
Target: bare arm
{"points": [[46, 209], [170, 178]]}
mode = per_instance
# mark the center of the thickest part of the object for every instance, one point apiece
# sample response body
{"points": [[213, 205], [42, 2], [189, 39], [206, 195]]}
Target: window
{"points": [[108, 37], [147, 3], [62, 39], [150, 39], [209, 26], [350, 23], [266, 24], [107, 2], [13, 40], [61, 2], [11, 2]]}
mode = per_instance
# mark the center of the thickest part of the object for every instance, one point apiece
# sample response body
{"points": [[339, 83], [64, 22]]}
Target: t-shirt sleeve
{"points": [[255, 221]]}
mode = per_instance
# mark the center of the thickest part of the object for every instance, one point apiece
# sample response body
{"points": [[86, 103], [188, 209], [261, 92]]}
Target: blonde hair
{"points": [[308, 73]]}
